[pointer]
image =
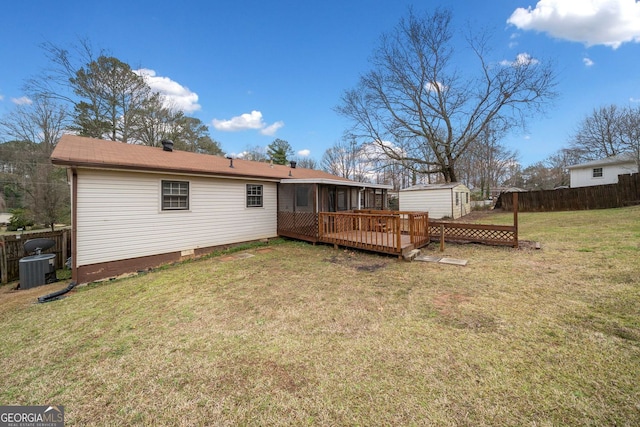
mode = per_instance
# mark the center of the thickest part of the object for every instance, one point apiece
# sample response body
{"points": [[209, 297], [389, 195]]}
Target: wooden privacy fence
{"points": [[12, 250], [626, 192]]}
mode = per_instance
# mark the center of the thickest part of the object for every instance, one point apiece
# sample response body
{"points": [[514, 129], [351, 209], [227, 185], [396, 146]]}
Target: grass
{"points": [[308, 335]]}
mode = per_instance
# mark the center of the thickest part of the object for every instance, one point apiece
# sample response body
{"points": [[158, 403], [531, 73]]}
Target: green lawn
{"points": [[308, 335]]}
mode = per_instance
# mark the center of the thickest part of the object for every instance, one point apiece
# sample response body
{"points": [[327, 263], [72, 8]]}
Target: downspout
{"points": [[360, 191], [278, 207], [74, 225]]}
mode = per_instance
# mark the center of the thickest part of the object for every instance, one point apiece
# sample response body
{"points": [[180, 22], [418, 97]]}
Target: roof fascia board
{"points": [[177, 172], [334, 182]]}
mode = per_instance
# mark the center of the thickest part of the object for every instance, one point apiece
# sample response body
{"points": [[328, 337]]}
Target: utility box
{"points": [[37, 270]]}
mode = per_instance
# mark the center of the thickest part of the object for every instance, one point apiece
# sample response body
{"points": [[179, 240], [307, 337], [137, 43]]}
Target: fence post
{"points": [[441, 237], [515, 219], [64, 248], [3, 262]]}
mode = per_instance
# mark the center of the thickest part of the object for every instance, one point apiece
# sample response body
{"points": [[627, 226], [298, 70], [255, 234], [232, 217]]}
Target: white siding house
{"points": [[440, 200], [120, 215], [135, 207], [600, 172]]}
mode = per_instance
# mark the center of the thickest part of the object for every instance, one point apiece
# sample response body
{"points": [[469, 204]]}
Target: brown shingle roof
{"points": [[78, 151]]}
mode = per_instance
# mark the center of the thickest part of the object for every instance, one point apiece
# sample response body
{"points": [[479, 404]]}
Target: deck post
{"points": [[515, 219], [411, 218], [441, 237], [398, 234]]}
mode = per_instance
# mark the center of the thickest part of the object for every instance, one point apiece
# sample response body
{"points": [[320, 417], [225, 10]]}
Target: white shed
{"points": [[451, 200], [601, 172]]}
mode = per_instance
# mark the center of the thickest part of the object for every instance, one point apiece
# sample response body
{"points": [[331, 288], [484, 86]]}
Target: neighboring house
{"points": [[136, 207], [440, 200], [5, 218], [600, 172]]}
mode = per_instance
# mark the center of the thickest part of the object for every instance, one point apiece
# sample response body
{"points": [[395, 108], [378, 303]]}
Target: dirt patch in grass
{"points": [[359, 261], [264, 250], [457, 310]]}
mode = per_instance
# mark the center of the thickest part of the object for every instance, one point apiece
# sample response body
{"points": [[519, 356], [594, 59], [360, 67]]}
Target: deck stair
{"points": [[411, 255]]}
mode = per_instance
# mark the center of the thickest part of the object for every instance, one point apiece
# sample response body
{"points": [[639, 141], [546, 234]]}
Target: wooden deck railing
{"points": [[418, 227], [414, 224], [382, 231]]}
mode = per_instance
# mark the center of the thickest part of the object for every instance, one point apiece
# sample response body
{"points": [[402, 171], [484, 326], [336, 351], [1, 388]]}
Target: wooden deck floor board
{"points": [[372, 240]]}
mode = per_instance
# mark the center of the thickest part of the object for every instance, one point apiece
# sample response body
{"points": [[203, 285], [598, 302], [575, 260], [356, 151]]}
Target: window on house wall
{"points": [[457, 199], [175, 195], [254, 196], [467, 197], [597, 172]]}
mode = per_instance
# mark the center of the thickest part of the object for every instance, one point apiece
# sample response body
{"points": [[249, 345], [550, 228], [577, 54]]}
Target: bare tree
{"points": [[42, 122], [599, 134], [340, 160], [256, 153], [630, 132], [487, 163], [431, 110], [156, 122], [36, 128], [306, 162], [558, 165]]}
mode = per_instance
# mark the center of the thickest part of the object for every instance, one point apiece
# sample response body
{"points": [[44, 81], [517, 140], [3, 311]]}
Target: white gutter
{"points": [[334, 182]]}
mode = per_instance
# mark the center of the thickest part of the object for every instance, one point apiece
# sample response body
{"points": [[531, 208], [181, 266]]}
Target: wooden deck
{"points": [[389, 232], [371, 240]]}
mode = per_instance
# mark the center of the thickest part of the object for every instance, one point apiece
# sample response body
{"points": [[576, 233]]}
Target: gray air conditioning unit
{"points": [[38, 269]]}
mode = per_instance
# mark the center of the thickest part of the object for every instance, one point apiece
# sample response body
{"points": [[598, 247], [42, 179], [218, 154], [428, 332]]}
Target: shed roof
{"points": [[78, 151], [443, 186]]}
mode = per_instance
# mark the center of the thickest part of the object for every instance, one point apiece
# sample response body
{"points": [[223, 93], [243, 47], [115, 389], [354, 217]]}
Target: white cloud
{"points": [[521, 59], [588, 62], [304, 153], [272, 129], [592, 22], [23, 100], [1, 97], [433, 87], [176, 96], [514, 42], [247, 121], [634, 99]]}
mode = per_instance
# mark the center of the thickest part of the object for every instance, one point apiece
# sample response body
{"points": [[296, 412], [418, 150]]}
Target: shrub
{"points": [[20, 218]]}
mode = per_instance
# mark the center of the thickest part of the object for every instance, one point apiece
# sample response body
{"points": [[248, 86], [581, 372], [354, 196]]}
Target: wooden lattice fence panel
{"points": [[299, 225], [504, 235]]}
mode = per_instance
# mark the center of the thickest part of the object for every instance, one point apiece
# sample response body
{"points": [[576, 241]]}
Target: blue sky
{"points": [[259, 70]]}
